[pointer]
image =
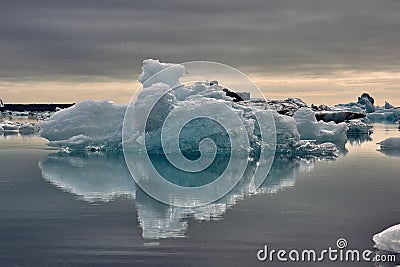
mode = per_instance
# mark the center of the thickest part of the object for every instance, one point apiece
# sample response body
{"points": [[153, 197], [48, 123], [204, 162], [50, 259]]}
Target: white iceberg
{"points": [[88, 123], [358, 127], [389, 239], [311, 129], [390, 143], [99, 124]]}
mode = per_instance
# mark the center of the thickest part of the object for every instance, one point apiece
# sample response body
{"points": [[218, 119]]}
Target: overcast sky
{"points": [[305, 47]]}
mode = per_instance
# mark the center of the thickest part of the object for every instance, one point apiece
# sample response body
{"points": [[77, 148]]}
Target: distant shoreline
{"points": [[34, 107]]}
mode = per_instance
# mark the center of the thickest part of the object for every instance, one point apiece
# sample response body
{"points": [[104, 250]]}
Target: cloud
{"points": [[56, 40]]}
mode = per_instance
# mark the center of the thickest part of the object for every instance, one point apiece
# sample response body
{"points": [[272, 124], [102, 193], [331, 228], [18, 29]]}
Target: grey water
{"points": [[86, 210]]}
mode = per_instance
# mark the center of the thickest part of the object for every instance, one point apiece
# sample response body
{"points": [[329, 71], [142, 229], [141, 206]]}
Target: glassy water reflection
{"points": [[104, 177], [85, 209]]}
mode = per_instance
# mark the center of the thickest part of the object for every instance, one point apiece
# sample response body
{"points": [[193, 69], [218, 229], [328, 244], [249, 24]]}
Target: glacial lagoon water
{"points": [[85, 210]]}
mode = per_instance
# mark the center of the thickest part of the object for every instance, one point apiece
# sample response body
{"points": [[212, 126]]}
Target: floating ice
{"points": [[389, 239], [98, 124], [8, 126], [358, 127], [88, 123], [390, 143], [385, 115], [27, 128], [311, 129]]}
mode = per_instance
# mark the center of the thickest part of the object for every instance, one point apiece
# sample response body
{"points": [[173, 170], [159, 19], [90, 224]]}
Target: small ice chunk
{"points": [[308, 148], [311, 129], [152, 66], [88, 122], [358, 127], [27, 128], [389, 239], [390, 143], [9, 126]]}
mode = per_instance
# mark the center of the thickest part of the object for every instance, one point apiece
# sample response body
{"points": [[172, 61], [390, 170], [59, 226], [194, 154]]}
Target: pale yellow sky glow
{"points": [[340, 87]]}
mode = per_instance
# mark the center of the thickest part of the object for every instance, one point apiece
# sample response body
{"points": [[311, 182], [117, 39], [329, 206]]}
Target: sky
{"points": [[322, 51]]}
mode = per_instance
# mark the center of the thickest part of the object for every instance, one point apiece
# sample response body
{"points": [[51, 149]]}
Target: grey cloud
{"points": [[66, 39]]}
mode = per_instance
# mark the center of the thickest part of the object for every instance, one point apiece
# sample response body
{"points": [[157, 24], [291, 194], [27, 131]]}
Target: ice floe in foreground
{"points": [[389, 239]]}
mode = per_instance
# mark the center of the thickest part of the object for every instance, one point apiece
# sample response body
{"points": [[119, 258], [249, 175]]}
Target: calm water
{"points": [[84, 210]]}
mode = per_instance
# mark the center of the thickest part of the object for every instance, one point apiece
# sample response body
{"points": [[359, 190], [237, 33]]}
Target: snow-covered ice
{"points": [[93, 123], [311, 129], [389, 239], [88, 123], [358, 127]]}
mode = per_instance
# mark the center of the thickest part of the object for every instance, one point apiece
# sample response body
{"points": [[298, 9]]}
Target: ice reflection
{"points": [[391, 152], [102, 178], [358, 140]]}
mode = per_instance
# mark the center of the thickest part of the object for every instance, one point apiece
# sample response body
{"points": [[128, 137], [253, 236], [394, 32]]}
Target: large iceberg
{"points": [[98, 125], [389, 239]]}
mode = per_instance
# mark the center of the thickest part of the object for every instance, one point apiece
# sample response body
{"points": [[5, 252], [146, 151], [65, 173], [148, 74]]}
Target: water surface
{"points": [[85, 210]]}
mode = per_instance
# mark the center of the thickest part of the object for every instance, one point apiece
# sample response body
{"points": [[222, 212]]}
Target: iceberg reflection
{"points": [[104, 177]]}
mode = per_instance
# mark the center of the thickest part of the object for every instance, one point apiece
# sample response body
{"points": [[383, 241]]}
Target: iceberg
{"points": [[286, 107], [311, 129], [390, 143], [98, 125], [88, 123], [338, 116], [358, 127], [386, 115], [9, 126], [388, 240]]}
